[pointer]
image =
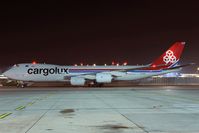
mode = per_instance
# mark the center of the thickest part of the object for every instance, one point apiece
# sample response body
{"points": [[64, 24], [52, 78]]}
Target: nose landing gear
{"points": [[21, 84]]}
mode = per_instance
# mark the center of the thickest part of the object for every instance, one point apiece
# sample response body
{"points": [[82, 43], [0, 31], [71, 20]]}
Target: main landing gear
{"points": [[94, 84]]}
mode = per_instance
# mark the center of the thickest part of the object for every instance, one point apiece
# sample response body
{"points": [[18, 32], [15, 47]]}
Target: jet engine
{"points": [[77, 81], [103, 78]]}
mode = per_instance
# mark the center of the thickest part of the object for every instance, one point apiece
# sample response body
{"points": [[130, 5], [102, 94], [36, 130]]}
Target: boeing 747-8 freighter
{"points": [[96, 75]]}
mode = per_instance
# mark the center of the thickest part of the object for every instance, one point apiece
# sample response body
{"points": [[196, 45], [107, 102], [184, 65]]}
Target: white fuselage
{"points": [[48, 72]]}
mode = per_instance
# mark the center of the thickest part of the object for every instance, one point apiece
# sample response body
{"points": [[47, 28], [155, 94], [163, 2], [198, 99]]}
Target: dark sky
{"points": [[96, 32]]}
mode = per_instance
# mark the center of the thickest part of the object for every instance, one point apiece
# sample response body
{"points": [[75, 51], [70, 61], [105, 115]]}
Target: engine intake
{"points": [[103, 78], [77, 81]]}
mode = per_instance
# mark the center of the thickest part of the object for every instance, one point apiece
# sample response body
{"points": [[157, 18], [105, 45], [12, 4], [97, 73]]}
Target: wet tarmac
{"points": [[99, 110]]}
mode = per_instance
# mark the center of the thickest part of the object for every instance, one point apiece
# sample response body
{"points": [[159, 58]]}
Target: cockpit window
{"points": [[16, 65]]}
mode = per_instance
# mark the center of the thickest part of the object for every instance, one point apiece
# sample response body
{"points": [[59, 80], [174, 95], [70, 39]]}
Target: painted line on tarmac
{"points": [[31, 103], [20, 108], [4, 115]]}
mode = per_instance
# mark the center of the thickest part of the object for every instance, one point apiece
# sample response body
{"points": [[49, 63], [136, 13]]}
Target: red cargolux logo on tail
{"points": [[169, 57]]}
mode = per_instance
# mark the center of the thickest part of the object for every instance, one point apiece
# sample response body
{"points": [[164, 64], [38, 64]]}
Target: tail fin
{"points": [[169, 58]]}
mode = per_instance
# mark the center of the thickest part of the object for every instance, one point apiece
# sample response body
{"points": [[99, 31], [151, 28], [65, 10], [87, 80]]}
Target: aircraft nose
{"points": [[5, 71]]}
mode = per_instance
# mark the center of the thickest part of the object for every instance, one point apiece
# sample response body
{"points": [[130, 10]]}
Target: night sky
{"points": [[96, 32]]}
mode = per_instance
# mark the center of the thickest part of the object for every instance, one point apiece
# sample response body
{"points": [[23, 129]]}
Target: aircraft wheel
{"points": [[22, 85], [98, 85]]}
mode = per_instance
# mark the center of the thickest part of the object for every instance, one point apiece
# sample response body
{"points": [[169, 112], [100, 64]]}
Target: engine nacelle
{"points": [[103, 78], [77, 81]]}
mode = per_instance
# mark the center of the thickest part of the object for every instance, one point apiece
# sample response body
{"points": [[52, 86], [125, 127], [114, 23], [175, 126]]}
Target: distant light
{"points": [[105, 65], [183, 42], [81, 64], [75, 64], [113, 63], [118, 64], [87, 65], [125, 63], [34, 62], [94, 64], [153, 66], [198, 68]]}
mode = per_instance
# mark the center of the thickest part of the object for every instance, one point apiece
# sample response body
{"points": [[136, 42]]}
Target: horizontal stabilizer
{"points": [[180, 66]]}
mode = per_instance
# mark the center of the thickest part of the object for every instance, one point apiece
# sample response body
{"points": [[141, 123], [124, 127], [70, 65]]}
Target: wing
{"points": [[114, 73], [122, 72], [180, 66]]}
